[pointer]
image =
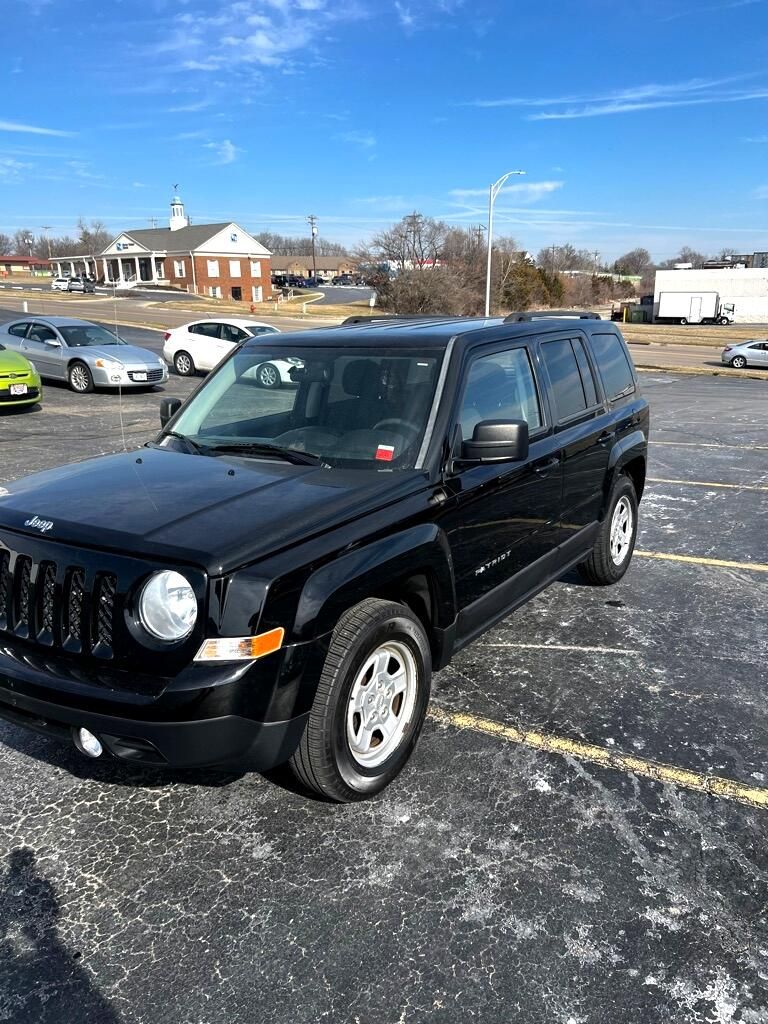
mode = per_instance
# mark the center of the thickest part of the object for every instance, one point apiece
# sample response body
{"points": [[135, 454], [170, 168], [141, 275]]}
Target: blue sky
{"points": [[637, 124]]}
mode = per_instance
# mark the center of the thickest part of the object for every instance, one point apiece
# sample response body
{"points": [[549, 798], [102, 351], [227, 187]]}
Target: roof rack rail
{"points": [[551, 314], [385, 318]]}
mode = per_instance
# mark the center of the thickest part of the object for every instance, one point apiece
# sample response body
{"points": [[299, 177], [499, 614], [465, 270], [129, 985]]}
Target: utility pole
{"points": [[153, 221], [46, 228], [553, 259], [596, 254], [312, 221]]}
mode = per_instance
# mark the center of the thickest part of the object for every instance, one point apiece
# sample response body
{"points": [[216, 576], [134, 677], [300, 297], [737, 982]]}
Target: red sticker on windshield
{"points": [[385, 453]]}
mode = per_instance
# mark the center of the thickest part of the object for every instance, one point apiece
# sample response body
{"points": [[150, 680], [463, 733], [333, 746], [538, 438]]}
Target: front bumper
{"points": [[126, 376], [34, 394], [228, 742]]}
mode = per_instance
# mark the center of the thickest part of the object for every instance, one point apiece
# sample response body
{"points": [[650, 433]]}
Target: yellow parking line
{"points": [[714, 785], [706, 444], [707, 483], [696, 560]]}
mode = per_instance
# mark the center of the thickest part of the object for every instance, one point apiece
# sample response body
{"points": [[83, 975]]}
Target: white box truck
{"points": [[693, 308]]}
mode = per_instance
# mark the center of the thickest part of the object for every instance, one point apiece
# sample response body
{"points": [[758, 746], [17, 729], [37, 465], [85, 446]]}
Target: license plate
{"points": [[18, 389], [139, 376]]}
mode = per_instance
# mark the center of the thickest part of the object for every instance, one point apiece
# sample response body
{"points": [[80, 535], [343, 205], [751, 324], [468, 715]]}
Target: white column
{"points": [[105, 268], [72, 268], [153, 264], [58, 269], [136, 262], [120, 274]]}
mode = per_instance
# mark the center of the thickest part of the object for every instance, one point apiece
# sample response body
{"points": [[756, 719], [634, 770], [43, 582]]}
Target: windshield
{"points": [[352, 408], [88, 335]]}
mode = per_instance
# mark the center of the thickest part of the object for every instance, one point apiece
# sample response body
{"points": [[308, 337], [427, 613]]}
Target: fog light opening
{"points": [[87, 743]]}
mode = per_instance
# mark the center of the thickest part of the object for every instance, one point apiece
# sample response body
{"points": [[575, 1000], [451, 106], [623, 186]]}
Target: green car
{"points": [[19, 380]]}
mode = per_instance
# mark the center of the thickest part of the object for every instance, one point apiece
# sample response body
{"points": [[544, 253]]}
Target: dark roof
{"points": [[427, 333], [158, 239], [36, 260]]}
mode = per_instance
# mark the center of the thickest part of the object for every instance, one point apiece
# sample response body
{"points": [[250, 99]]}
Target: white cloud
{"points": [[527, 191], [713, 8], [190, 108], [363, 139], [755, 138], [224, 152], [11, 170], [653, 96], [31, 129], [404, 15]]}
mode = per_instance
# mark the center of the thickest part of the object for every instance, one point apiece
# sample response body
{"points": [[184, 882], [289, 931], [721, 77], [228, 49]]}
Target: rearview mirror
{"points": [[497, 441], [168, 408]]}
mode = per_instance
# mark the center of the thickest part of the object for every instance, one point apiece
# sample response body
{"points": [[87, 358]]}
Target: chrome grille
{"points": [[23, 592], [46, 590], [106, 590], [74, 608]]}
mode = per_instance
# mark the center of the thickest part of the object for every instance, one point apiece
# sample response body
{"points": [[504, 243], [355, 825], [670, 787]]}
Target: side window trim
{"points": [[561, 423], [529, 343], [596, 381]]}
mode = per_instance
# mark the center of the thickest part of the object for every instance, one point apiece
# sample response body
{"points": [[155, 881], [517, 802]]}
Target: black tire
{"points": [[683, 321], [324, 760], [80, 378], [723, 321], [268, 376], [184, 364], [739, 362], [601, 569]]}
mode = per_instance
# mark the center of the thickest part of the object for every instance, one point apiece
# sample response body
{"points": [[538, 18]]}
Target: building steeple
{"points": [[178, 218]]}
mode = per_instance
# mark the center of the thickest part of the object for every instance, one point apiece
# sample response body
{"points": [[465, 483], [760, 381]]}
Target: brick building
{"points": [[220, 260], [327, 266]]}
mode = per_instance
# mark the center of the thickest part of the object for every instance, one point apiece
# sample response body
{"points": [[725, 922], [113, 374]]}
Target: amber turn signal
{"points": [[241, 648]]}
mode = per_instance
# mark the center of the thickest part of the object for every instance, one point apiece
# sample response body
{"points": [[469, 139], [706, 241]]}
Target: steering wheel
{"points": [[401, 426]]}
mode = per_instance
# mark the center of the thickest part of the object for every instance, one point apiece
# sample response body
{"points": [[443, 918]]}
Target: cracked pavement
{"points": [[491, 882]]}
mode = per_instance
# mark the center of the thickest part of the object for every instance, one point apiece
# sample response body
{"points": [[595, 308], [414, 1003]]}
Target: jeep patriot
{"points": [[276, 576]]}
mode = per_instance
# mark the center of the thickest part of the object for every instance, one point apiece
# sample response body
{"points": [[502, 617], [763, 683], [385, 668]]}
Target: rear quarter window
{"points": [[614, 365]]}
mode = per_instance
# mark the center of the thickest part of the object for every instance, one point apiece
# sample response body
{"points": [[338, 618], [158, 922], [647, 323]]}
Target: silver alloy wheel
{"points": [[738, 362], [78, 377], [183, 364], [268, 376], [621, 530], [381, 704]]}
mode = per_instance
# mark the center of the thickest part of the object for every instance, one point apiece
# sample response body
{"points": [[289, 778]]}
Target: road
{"points": [[691, 356]]}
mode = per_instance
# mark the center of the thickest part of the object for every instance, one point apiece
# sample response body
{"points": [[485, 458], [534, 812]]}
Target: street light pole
{"points": [[493, 191], [312, 221]]}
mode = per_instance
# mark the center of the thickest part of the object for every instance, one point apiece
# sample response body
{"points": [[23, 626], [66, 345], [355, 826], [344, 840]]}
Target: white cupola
{"points": [[178, 218]]}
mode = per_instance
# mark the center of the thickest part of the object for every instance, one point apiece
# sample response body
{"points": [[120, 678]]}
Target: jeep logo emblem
{"points": [[43, 525]]}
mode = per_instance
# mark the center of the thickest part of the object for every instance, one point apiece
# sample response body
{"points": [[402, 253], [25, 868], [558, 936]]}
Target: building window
{"points": [[234, 268], [257, 294], [160, 269], [255, 268], [213, 268], [214, 291], [178, 268]]}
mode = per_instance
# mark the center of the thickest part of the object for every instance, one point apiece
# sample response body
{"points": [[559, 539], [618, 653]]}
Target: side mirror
{"points": [[53, 342], [168, 408], [497, 441]]}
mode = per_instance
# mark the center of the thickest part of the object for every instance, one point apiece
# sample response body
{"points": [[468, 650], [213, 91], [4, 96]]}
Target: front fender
{"points": [[375, 569]]}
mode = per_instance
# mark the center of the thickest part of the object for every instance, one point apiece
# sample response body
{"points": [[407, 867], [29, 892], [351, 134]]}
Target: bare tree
{"points": [[6, 244], [298, 245], [636, 261]]}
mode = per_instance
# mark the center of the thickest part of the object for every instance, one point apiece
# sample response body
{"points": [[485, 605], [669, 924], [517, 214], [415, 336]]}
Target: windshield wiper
{"points": [[193, 446], [260, 448]]}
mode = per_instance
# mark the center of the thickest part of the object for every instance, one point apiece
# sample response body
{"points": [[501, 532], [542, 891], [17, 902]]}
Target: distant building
{"points": [[301, 266], [745, 288], [221, 260], [10, 265]]}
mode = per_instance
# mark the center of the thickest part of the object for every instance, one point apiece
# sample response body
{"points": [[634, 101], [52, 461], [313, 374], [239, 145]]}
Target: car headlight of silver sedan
{"points": [[168, 606]]}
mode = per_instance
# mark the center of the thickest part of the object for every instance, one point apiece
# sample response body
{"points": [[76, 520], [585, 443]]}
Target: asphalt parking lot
{"points": [[560, 849]]}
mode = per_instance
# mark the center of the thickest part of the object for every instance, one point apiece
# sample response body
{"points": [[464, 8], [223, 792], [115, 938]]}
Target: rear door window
{"points": [[209, 329], [614, 365], [565, 377]]}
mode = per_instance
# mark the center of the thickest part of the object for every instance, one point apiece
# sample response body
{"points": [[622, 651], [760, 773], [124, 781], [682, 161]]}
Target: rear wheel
{"points": [[683, 321], [184, 364], [370, 703], [739, 362], [80, 378], [268, 376], [612, 551]]}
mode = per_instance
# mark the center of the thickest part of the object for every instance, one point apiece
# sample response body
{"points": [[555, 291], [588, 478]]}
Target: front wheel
{"points": [[268, 376], [723, 321], [370, 703], [612, 551], [738, 362], [80, 378], [683, 321]]}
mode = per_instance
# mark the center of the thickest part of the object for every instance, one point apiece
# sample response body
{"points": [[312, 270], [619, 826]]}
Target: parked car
{"points": [[279, 281], [746, 353], [315, 282], [202, 344], [278, 574], [19, 380], [60, 284], [81, 284], [81, 353], [344, 279], [296, 281]]}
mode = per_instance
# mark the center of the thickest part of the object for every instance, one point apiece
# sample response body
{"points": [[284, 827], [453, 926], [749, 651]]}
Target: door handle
{"points": [[542, 468], [606, 437]]}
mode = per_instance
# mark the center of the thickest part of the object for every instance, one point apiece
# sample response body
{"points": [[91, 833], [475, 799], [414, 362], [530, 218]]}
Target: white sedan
{"points": [[201, 345]]}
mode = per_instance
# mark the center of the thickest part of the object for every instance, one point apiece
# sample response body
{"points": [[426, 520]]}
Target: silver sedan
{"points": [[81, 353], [746, 353]]}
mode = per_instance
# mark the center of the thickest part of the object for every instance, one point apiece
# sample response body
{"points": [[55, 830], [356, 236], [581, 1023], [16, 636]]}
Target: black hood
{"points": [[215, 512]]}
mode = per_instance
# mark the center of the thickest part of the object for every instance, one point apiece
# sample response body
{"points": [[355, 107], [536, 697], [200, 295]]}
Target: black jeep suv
{"points": [[275, 576]]}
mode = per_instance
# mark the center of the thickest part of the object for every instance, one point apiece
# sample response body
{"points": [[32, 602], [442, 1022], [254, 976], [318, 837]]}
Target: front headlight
{"points": [[108, 364], [168, 606], [34, 368]]}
